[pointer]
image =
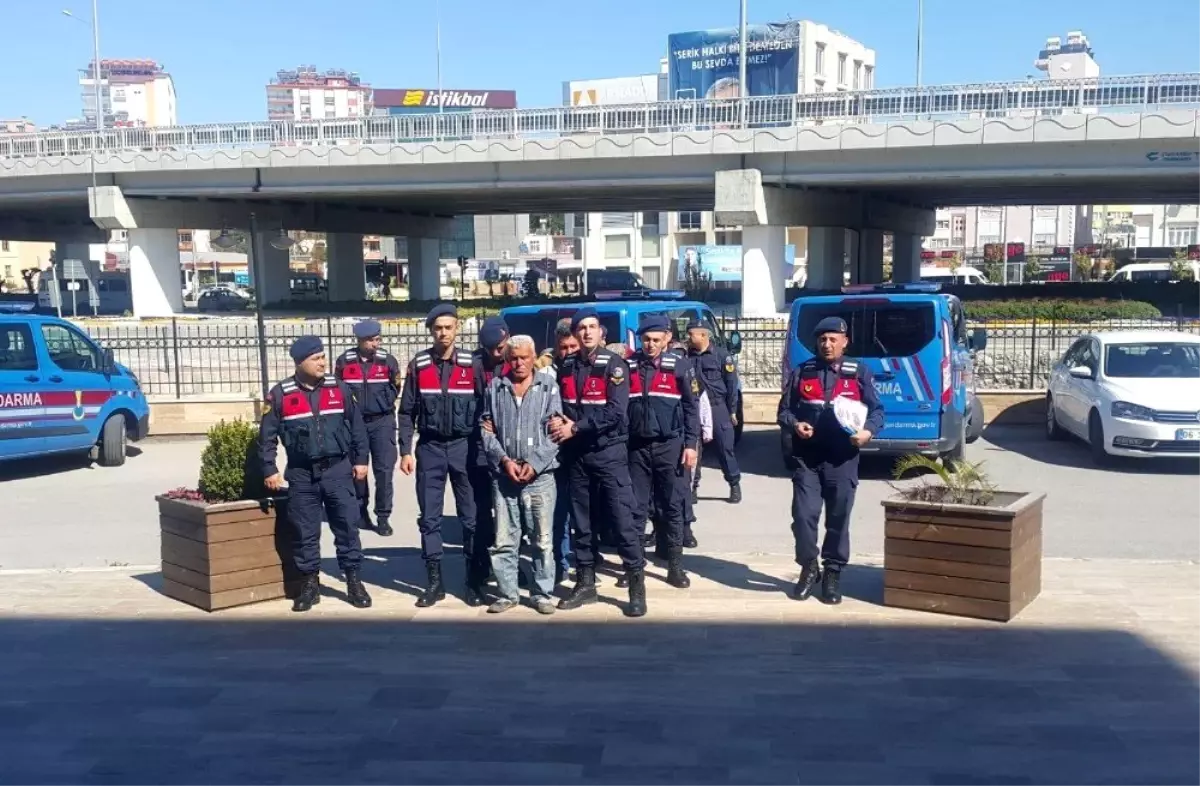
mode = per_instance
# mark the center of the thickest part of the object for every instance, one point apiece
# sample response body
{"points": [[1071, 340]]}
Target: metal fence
{"points": [[940, 102], [179, 359]]}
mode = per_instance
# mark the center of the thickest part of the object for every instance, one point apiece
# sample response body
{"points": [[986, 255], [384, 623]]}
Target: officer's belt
{"points": [[320, 465], [376, 416]]}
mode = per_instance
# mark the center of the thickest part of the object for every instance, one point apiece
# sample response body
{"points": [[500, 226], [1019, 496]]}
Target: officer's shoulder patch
{"points": [[288, 385], [849, 368], [729, 366], [381, 353], [602, 358], [422, 358], [616, 374], [668, 361], [464, 358], [330, 381]]}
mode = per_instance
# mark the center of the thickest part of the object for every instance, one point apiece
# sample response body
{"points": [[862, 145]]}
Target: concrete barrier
{"points": [[196, 414]]}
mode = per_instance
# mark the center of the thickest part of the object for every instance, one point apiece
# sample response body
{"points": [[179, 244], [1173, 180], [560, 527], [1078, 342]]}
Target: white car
{"points": [[1129, 393]]}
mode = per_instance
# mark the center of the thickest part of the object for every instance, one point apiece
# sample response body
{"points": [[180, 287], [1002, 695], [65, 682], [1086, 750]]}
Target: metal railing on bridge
{"points": [[181, 358], [947, 102]]}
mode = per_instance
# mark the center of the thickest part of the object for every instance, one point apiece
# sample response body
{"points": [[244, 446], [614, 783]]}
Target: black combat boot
{"points": [[584, 591], [355, 590], [676, 576], [384, 528], [689, 538], [435, 590], [809, 577], [364, 522], [310, 593], [637, 593], [831, 587], [649, 539], [735, 493]]}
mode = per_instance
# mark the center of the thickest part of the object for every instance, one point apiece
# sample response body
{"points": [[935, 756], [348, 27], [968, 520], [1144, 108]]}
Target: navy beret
{"points": [[441, 310], [492, 332], [831, 325], [693, 324], [305, 347], [368, 328], [651, 322], [586, 312]]}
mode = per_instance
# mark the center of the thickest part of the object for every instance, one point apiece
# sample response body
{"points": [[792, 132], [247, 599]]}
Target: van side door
{"points": [[22, 413], [76, 384]]}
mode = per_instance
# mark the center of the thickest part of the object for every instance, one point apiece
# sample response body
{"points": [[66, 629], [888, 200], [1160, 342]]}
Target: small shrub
{"points": [[960, 482], [228, 467], [1059, 310]]}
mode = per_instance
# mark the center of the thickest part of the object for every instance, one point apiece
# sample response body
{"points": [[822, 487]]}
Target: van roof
{"points": [[893, 297]]}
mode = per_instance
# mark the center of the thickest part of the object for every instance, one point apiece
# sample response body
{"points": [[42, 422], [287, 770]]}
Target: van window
{"points": [[69, 350], [541, 326], [877, 329], [16, 348], [1150, 275]]}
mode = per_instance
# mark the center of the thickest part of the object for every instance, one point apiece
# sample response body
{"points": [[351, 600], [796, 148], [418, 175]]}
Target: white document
{"points": [[851, 415]]}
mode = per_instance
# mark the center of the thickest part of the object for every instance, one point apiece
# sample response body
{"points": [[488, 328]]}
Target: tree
{"points": [[241, 241], [529, 287], [556, 223], [1032, 269], [696, 283], [1083, 267], [993, 262], [1181, 268]]}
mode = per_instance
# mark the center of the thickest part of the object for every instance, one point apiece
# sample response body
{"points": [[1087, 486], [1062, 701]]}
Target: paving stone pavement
{"points": [[104, 680]]}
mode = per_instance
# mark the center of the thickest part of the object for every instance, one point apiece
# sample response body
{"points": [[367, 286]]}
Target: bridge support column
{"points": [[867, 266], [424, 268], [826, 258], [906, 258], [276, 269], [764, 271], [154, 280], [347, 276]]}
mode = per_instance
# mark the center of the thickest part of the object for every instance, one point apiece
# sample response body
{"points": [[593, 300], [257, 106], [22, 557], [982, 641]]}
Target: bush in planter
{"points": [[229, 468], [961, 482]]}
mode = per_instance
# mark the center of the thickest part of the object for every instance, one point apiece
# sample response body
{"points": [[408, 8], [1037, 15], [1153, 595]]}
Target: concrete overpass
{"points": [[877, 161]]}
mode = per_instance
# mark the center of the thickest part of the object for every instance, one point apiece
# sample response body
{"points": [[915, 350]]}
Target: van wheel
{"points": [[959, 451], [1100, 455], [1053, 430], [112, 442], [975, 424]]}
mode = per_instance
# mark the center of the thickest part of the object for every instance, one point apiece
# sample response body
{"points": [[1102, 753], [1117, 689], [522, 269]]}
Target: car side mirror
{"points": [[978, 339], [1080, 372], [735, 342]]}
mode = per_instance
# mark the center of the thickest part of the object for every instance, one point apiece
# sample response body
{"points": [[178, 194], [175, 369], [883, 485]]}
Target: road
{"points": [[62, 514]]}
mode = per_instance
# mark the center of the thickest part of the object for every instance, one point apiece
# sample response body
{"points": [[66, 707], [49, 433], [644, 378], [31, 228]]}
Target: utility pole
{"points": [[743, 49], [920, 36]]}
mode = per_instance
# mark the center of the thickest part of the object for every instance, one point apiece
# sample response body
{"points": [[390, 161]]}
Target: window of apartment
{"points": [[841, 75], [617, 246], [185, 237], [1181, 234], [869, 78], [650, 222], [943, 223], [857, 74], [820, 60], [329, 101], [691, 221], [617, 220], [5, 246], [958, 230], [305, 98], [1043, 239], [985, 239], [651, 246], [729, 237]]}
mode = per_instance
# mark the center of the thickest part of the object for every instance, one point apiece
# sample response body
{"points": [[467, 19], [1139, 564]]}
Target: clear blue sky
{"points": [[222, 53]]}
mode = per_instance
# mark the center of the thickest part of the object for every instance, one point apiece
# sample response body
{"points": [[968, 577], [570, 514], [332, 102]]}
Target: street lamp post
{"points": [[920, 36], [437, 10], [95, 25], [743, 49]]}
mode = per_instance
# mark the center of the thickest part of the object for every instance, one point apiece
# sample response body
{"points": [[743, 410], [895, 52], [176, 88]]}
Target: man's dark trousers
{"points": [[834, 487], [601, 489], [381, 436], [437, 461], [479, 559], [323, 489], [657, 476]]}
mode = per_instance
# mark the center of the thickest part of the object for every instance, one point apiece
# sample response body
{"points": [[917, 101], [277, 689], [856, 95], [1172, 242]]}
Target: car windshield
{"points": [[877, 328], [541, 325], [1152, 360]]}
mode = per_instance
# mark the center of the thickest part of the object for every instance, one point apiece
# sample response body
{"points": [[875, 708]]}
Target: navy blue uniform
{"points": [[664, 417], [824, 466], [595, 395], [324, 435], [374, 382], [440, 403], [717, 372], [478, 474]]}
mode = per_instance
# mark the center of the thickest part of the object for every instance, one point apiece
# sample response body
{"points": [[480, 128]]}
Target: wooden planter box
{"points": [[227, 554], [967, 560]]}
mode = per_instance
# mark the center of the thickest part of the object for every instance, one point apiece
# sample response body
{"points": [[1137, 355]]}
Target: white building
{"points": [[1070, 61], [132, 93], [306, 94], [831, 61]]}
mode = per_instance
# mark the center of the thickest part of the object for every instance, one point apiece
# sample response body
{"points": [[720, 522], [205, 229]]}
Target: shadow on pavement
{"points": [[53, 465], [369, 699], [1031, 443]]}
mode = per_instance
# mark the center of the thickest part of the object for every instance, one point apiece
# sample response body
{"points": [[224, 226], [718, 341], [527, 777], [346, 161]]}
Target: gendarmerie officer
{"points": [[373, 377], [593, 432], [489, 363], [717, 372], [323, 433], [824, 456], [664, 425], [440, 403]]}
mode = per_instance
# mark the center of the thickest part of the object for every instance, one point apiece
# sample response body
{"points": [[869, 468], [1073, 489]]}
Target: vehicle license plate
{"points": [[1188, 434]]}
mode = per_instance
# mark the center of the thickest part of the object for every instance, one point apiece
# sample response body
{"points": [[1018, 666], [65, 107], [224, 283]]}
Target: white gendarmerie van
{"points": [[958, 275]]}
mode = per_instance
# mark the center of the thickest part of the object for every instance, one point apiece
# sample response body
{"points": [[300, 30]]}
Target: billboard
{"points": [[704, 64], [424, 100], [720, 263], [620, 90]]}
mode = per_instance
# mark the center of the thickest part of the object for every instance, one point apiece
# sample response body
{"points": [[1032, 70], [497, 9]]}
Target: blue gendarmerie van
{"points": [[916, 343], [60, 392]]}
